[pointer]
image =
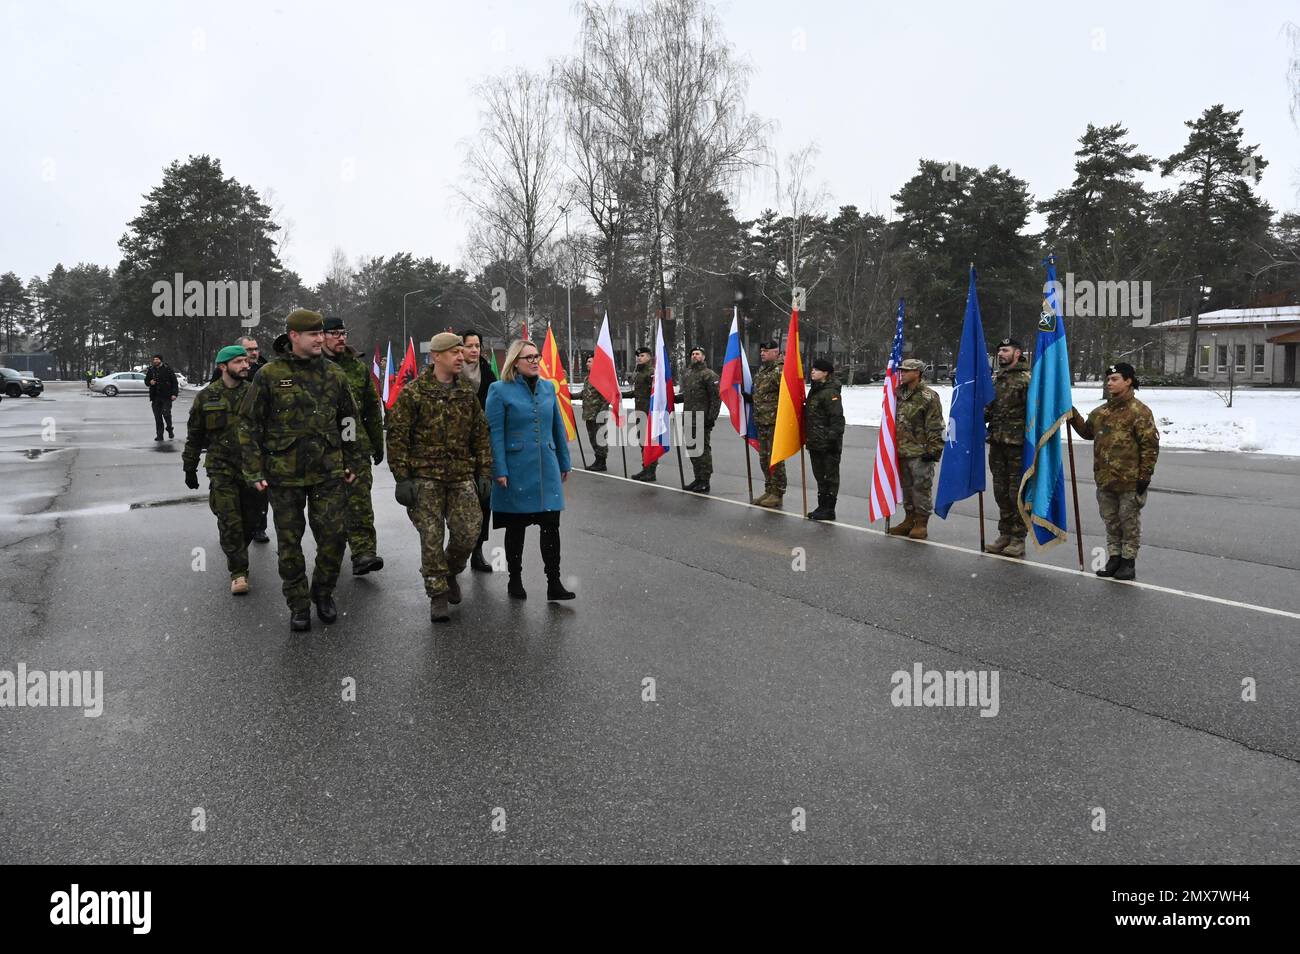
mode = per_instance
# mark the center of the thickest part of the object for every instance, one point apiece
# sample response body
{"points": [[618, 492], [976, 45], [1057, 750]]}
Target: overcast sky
{"points": [[352, 113]]}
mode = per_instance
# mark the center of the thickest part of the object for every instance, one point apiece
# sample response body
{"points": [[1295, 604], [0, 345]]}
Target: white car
{"points": [[123, 382]]}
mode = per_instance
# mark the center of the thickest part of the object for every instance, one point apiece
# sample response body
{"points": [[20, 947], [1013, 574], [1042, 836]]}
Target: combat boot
{"points": [[1111, 566], [239, 586], [703, 488], [326, 609], [1127, 569], [830, 506], [300, 620], [367, 563], [438, 612], [1000, 544], [904, 528], [918, 531], [769, 500], [476, 561], [1016, 548], [820, 512], [645, 476], [453, 590]]}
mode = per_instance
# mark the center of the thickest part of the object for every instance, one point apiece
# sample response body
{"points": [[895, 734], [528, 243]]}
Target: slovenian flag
{"points": [[736, 387], [661, 404]]}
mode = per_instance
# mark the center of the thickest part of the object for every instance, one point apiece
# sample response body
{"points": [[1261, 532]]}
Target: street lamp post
{"points": [[568, 286], [418, 291]]}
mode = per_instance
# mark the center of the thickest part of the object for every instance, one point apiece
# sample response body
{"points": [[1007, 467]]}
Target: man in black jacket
{"points": [[163, 390], [478, 372]]}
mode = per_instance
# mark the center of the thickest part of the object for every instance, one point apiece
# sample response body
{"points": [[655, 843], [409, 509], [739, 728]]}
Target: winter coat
{"points": [[823, 417], [530, 446]]}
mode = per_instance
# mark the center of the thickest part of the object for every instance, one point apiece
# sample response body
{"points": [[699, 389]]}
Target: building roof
{"points": [[1283, 314], [1288, 337]]}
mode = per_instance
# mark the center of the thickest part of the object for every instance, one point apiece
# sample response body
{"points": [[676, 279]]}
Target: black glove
{"points": [[192, 479], [931, 458], [379, 456], [483, 485], [1142, 486], [405, 493]]}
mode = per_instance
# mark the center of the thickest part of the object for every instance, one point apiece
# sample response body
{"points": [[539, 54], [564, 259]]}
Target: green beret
{"points": [[444, 341], [230, 351], [303, 320]]}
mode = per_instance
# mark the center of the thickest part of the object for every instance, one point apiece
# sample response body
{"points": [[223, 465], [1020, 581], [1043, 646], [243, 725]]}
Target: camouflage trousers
{"points": [[1121, 512], [442, 506], [917, 479], [360, 514], [826, 471], [699, 442], [325, 503], [1004, 465], [773, 482], [235, 505], [597, 446]]}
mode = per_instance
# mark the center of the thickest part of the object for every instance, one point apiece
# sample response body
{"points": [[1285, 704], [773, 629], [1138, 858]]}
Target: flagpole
{"points": [[1074, 489], [681, 471], [981, 495], [577, 432], [803, 482], [749, 477]]}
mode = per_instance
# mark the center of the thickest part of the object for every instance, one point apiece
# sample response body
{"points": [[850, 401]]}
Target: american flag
{"points": [[886, 488]]}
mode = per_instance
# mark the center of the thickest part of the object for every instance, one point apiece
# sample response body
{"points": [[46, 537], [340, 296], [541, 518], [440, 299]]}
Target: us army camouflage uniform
{"points": [[1126, 444], [360, 512], [767, 392], [214, 425], [593, 402], [1005, 417], [291, 435], [642, 393], [919, 434], [438, 437], [701, 402], [823, 417]]}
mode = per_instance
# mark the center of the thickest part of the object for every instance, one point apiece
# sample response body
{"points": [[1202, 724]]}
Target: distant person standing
{"points": [[767, 395], [256, 362], [478, 372], [643, 381], [163, 390], [823, 415], [918, 418], [1005, 417], [593, 402], [701, 404]]}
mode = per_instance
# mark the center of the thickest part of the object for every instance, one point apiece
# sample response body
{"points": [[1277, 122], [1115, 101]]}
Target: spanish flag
{"points": [[553, 371], [787, 436]]}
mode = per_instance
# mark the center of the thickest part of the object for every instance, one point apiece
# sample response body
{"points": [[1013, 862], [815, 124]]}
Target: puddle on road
{"points": [[105, 510]]}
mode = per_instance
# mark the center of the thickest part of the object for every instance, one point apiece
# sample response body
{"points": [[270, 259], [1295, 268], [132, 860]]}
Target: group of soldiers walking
{"points": [[1127, 442]]}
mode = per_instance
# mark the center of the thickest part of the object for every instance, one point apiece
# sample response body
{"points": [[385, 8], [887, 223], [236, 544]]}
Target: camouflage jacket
{"points": [[919, 420], [1126, 443], [700, 392], [823, 416], [293, 421], [767, 393], [370, 432], [214, 426], [438, 431], [643, 382], [593, 402], [1005, 414]]}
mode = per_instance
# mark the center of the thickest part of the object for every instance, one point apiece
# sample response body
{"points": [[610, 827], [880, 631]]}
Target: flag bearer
{"points": [[919, 436], [1005, 417], [823, 416]]}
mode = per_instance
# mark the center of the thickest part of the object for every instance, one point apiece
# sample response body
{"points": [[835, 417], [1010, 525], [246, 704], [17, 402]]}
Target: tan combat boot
{"points": [[770, 500], [904, 528], [998, 545], [918, 531], [239, 586], [1016, 548]]}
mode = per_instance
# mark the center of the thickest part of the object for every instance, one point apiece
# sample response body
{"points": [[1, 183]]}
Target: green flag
{"points": [[492, 362]]}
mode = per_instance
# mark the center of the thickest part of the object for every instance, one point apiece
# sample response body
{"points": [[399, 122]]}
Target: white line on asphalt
{"points": [[1189, 594]]}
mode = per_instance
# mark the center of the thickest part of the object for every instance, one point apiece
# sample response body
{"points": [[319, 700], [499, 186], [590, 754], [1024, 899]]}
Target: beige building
{"points": [[1256, 346]]}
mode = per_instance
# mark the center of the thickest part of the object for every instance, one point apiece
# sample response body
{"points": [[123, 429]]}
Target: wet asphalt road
{"points": [[771, 642]]}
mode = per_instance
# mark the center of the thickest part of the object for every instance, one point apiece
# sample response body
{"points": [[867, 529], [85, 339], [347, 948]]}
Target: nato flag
{"points": [[962, 473]]}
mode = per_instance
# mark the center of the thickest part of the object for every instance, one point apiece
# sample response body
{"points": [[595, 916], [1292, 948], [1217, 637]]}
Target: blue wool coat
{"points": [[530, 446]]}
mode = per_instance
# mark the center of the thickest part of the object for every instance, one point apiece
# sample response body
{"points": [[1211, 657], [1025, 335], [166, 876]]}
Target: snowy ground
{"points": [[1261, 420]]}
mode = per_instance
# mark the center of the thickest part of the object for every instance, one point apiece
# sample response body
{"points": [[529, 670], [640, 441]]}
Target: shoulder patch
{"points": [[285, 383]]}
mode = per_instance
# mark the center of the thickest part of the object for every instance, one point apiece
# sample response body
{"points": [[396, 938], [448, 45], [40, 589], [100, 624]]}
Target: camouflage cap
{"points": [[445, 341], [300, 319], [912, 364]]}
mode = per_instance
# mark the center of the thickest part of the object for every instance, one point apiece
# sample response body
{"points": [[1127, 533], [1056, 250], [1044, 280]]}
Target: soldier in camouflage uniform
{"points": [[642, 393], [767, 393], [296, 436], [1124, 454], [823, 419], [702, 403], [370, 444], [1005, 417], [919, 430], [593, 402], [441, 457], [214, 426]]}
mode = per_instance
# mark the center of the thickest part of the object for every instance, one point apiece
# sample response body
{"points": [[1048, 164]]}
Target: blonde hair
{"points": [[512, 356]]}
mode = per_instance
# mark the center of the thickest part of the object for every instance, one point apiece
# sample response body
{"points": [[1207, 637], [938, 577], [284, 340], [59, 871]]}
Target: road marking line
{"points": [[1189, 594]]}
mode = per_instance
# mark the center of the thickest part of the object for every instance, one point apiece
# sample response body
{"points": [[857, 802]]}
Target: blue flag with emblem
{"points": [[962, 472], [1041, 499]]}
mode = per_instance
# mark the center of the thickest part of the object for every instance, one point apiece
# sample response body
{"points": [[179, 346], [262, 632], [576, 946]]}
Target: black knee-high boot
{"points": [[550, 541], [515, 562]]}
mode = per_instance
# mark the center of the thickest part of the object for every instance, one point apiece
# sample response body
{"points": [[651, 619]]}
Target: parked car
{"points": [[121, 382], [16, 384]]}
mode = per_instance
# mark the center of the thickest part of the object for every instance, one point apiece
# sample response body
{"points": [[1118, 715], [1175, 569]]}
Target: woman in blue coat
{"points": [[530, 463]]}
